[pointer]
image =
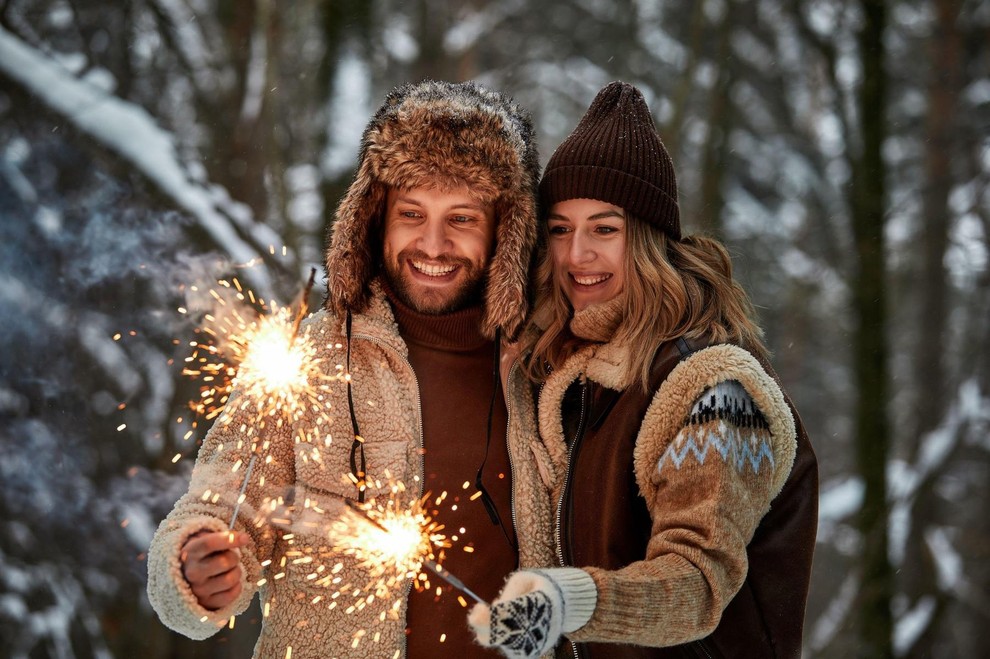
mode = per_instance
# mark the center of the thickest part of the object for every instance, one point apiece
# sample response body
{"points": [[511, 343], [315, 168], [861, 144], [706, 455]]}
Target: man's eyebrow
{"points": [[407, 200], [472, 205]]}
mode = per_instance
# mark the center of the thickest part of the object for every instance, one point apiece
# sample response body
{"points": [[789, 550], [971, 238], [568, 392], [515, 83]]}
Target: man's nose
{"points": [[434, 239]]}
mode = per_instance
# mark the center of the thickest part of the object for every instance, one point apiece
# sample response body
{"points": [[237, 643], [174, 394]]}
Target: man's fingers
{"points": [[220, 583], [221, 597], [205, 544], [198, 570]]}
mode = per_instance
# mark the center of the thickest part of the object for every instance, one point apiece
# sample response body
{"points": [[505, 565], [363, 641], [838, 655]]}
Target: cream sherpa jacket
{"points": [[297, 611]]}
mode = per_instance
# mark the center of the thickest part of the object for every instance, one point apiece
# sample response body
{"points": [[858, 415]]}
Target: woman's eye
{"points": [[461, 219], [558, 230], [605, 229]]}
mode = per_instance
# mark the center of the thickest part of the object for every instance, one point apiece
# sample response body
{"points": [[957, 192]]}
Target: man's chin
{"points": [[437, 302]]}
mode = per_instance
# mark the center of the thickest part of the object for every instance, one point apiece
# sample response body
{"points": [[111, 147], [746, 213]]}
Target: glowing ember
{"points": [[277, 367], [391, 543], [400, 542]]}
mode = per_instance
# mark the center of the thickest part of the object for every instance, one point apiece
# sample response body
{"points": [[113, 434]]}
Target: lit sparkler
{"points": [[404, 539], [274, 368]]}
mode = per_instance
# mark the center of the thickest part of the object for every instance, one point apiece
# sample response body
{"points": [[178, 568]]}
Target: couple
{"points": [[622, 460]]}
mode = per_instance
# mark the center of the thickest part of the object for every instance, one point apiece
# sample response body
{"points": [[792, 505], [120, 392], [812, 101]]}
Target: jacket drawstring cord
{"points": [[486, 498], [357, 474]]}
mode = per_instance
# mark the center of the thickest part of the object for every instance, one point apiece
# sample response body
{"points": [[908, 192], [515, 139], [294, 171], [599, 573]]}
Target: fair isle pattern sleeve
{"points": [[714, 449], [724, 422]]}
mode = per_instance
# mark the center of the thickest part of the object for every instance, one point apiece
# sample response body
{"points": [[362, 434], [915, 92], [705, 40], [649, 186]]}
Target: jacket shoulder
{"points": [[698, 373]]}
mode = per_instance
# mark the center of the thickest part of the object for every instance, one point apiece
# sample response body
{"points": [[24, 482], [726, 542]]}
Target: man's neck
{"points": [[458, 330]]}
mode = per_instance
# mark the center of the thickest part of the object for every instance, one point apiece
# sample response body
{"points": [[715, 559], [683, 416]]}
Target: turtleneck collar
{"points": [[460, 330], [598, 322]]}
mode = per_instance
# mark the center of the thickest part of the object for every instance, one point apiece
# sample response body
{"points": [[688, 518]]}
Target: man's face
{"points": [[436, 247]]}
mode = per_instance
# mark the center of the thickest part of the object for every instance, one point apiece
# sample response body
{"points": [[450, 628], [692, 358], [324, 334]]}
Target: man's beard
{"points": [[435, 302]]}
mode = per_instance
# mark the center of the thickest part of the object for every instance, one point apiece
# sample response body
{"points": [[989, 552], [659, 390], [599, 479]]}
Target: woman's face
{"points": [[588, 248]]}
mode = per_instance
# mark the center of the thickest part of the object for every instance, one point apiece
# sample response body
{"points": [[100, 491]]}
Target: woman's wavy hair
{"points": [[672, 288]]}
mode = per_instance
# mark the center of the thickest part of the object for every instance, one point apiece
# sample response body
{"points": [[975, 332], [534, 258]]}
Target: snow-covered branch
{"points": [[130, 132]]}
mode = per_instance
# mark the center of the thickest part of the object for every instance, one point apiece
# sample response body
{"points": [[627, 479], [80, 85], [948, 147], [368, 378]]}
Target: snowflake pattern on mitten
{"points": [[522, 624]]}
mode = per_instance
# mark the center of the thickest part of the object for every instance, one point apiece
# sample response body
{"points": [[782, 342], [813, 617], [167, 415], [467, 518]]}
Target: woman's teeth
{"points": [[590, 280]]}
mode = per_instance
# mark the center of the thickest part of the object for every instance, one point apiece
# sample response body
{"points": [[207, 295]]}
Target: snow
{"points": [[827, 626], [912, 624], [256, 75], [349, 112], [131, 132], [948, 562], [840, 499], [108, 353]]}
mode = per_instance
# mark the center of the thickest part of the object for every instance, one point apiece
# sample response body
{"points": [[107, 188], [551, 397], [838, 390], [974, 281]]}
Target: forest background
{"points": [[840, 149]]}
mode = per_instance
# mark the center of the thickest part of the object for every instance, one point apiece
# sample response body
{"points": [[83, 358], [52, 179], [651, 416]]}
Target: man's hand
{"points": [[211, 565]]}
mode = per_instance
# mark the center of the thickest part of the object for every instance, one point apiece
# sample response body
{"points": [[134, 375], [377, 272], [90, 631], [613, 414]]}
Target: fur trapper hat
{"points": [[442, 134]]}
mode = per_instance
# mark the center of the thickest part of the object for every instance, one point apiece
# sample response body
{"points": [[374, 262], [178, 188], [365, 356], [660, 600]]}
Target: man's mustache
{"points": [[442, 259]]}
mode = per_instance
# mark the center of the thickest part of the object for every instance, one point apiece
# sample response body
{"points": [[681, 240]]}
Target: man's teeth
{"points": [[590, 280], [433, 270]]}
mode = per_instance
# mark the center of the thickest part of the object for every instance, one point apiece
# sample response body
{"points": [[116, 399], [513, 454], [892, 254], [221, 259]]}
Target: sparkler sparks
{"points": [[391, 542], [266, 359], [405, 538]]}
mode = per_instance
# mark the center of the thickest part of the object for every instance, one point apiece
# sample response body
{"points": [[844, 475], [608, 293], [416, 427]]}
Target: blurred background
{"points": [[841, 149]]}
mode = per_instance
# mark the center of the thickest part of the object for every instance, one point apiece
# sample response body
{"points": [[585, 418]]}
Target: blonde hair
{"points": [[672, 288]]}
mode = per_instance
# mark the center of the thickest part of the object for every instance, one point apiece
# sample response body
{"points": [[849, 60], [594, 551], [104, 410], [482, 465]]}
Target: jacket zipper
{"points": [[567, 475], [571, 452], [702, 649], [422, 453], [508, 449]]}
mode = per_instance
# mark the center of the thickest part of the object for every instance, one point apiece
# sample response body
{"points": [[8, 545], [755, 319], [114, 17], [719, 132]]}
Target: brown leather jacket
{"points": [[604, 522]]}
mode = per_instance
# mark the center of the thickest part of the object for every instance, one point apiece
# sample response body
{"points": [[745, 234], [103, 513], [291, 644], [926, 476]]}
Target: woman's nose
{"points": [[581, 249]]}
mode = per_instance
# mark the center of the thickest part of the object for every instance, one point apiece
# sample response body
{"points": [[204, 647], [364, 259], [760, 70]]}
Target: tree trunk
{"points": [[930, 378], [943, 96], [711, 200], [869, 343]]}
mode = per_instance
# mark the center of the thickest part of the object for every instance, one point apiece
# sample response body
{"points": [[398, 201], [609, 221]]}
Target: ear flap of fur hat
{"points": [[440, 134]]}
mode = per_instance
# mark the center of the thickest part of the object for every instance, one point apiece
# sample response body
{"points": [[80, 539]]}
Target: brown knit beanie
{"points": [[615, 155]]}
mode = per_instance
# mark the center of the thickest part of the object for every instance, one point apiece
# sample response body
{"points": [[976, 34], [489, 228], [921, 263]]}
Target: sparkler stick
{"points": [[304, 302], [431, 565], [240, 495], [303, 308]]}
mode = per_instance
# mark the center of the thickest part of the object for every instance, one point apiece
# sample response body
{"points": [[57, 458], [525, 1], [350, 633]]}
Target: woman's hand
{"points": [[533, 610]]}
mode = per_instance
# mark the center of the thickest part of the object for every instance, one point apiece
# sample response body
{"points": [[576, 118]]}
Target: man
{"points": [[427, 269]]}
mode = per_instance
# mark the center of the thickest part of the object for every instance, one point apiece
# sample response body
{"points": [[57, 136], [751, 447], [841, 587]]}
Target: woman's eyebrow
{"points": [[597, 216]]}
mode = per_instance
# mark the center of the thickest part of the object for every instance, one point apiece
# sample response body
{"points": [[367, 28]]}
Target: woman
{"points": [[682, 484]]}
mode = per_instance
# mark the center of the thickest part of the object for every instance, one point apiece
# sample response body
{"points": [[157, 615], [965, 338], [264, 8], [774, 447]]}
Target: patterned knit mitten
{"points": [[533, 610]]}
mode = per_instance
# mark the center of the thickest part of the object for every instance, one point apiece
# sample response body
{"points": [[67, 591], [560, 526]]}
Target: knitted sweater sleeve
{"points": [[221, 468], [714, 449]]}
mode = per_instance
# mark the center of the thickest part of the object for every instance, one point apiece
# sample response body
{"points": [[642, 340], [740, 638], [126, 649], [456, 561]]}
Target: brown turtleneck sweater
{"points": [[453, 364]]}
